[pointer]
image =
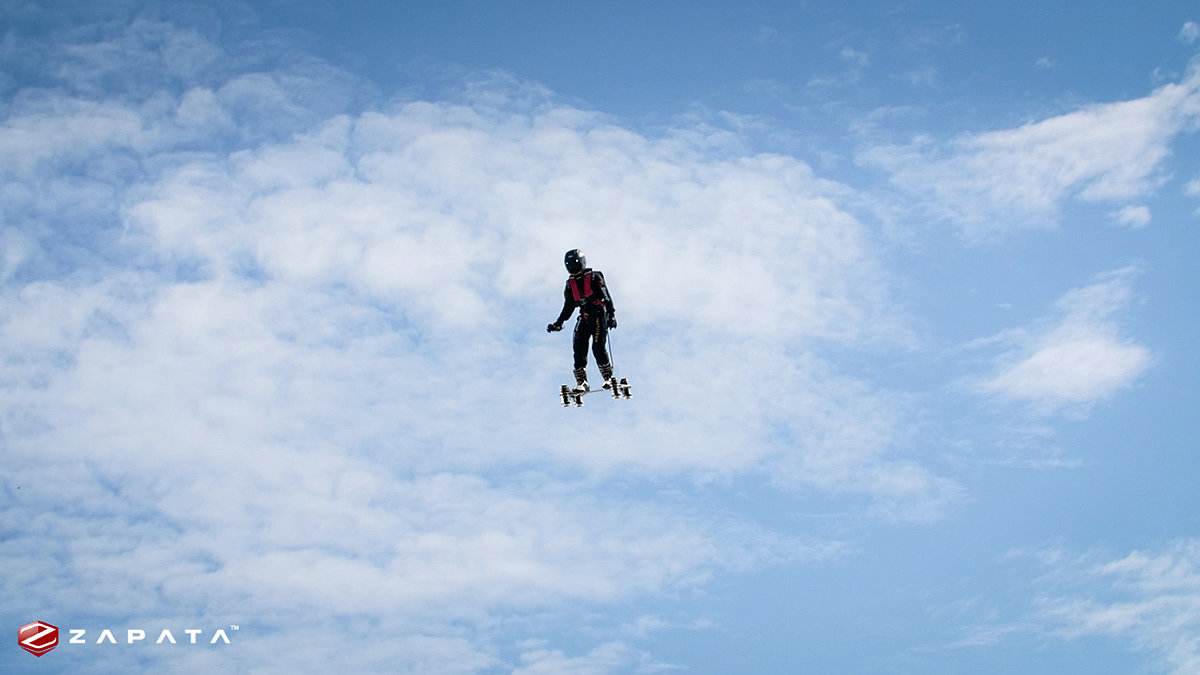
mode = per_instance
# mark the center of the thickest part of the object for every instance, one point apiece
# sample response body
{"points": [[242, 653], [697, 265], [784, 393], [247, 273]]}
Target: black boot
{"points": [[606, 371], [581, 383]]}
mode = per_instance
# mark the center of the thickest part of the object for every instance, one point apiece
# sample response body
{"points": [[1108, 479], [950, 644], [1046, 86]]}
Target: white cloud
{"points": [[855, 63], [457, 219], [1019, 178], [1149, 600], [927, 76], [1078, 357], [854, 57], [538, 658], [15, 248], [1190, 32], [1192, 189], [1135, 217]]}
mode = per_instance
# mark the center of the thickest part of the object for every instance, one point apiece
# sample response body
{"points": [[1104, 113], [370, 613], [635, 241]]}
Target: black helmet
{"points": [[575, 261]]}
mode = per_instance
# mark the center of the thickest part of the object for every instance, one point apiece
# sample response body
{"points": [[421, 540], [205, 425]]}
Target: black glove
{"points": [[554, 328], [612, 322]]}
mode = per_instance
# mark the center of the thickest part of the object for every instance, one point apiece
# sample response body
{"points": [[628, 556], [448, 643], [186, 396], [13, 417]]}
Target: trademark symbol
{"points": [[234, 626]]}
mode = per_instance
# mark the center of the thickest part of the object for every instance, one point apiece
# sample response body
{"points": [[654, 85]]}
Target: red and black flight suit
{"points": [[589, 293]]}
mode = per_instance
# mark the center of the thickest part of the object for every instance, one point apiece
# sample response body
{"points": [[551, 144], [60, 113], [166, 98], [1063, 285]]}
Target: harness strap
{"points": [[586, 292]]}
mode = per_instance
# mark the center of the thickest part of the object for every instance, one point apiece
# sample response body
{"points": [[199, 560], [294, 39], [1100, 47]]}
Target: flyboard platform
{"points": [[618, 388]]}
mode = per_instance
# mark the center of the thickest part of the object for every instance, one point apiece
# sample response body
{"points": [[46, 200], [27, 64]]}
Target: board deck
{"points": [[619, 389]]}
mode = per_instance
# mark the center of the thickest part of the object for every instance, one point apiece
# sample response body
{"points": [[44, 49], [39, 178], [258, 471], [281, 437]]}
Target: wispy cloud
{"points": [[1077, 357], [1192, 189], [1149, 600], [1135, 217], [538, 658], [1019, 178], [854, 63], [1190, 32]]}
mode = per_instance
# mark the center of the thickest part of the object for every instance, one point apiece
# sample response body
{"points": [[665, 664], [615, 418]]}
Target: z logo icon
{"points": [[38, 637]]}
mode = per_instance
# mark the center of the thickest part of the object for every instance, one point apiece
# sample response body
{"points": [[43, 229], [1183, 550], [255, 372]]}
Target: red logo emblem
{"points": [[38, 637]]}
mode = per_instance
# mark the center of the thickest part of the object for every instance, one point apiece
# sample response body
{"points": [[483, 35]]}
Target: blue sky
{"points": [[906, 293]]}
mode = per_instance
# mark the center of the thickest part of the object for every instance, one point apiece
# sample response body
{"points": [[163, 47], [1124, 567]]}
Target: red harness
{"points": [[586, 291]]}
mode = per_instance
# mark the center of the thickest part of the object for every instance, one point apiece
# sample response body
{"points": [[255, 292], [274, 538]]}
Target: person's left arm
{"points": [[608, 301]]}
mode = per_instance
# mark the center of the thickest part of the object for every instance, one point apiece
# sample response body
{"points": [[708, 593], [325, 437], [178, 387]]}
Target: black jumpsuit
{"points": [[589, 293]]}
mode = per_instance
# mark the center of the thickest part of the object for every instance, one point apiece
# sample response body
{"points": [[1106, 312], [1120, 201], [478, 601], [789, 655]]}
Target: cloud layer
{"points": [[292, 374]]}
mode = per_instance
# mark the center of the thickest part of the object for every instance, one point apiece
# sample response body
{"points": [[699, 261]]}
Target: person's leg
{"points": [[600, 349], [580, 344]]}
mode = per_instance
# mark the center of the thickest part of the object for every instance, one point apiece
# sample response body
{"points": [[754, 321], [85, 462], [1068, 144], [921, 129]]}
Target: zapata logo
{"points": [[38, 637]]}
